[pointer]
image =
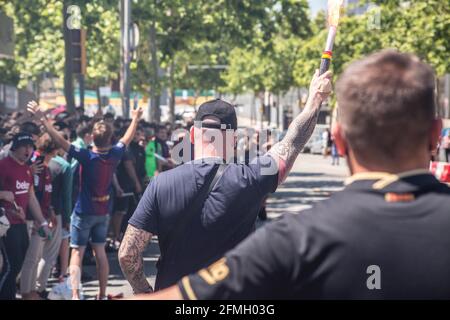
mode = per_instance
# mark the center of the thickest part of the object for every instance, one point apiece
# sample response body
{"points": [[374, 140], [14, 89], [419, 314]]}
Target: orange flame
{"points": [[334, 11]]}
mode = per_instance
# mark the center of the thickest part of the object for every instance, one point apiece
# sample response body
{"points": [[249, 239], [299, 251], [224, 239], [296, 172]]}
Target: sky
{"points": [[316, 5]]}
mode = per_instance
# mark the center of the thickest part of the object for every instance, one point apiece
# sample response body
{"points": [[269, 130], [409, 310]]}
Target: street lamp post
{"points": [[125, 54]]}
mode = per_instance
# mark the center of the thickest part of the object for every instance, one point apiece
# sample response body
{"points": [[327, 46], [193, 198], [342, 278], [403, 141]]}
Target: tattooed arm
{"points": [[286, 151], [130, 258]]}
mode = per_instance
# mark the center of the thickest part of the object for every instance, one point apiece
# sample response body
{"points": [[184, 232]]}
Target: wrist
{"points": [[44, 224], [144, 291], [314, 100]]}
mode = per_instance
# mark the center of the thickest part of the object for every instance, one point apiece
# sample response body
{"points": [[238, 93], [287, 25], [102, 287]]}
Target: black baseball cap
{"points": [[220, 109], [22, 139]]}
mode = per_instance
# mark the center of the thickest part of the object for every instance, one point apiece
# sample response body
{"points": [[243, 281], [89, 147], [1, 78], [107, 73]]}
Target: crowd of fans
{"points": [[56, 180]]}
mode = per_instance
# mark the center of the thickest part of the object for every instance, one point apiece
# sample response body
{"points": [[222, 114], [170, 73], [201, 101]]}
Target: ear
{"points": [[435, 133], [191, 134], [339, 139]]}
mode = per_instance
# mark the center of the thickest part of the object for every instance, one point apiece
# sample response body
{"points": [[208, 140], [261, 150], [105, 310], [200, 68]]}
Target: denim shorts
{"points": [[88, 227]]}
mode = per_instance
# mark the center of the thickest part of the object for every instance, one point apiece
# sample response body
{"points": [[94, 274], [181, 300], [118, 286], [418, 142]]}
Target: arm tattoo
{"points": [[296, 137], [130, 258]]}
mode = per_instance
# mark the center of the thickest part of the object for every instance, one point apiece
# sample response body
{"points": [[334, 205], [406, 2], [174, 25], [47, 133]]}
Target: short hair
{"points": [[45, 144], [386, 105], [60, 125], [108, 115], [85, 118], [30, 127], [80, 109], [83, 129], [102, 134], [160, 127]]}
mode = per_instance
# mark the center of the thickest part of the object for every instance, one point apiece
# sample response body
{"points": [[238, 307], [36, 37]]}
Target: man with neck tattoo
{"points": [[385, 236], [224, 215], [90, 216]]}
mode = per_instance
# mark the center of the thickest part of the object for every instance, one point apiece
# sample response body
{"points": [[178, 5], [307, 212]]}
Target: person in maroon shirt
{"points": [[46, 150], [15, 176]]}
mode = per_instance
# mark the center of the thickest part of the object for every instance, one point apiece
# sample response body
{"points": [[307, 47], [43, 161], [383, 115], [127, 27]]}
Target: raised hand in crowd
{"points": [[39, 115]]}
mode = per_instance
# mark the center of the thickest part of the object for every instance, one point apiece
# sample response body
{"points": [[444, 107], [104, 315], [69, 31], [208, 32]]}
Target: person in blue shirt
{"points": [[94, 203]]}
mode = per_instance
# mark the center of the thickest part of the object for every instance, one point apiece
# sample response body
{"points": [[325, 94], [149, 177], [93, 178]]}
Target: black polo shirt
{"points": [[379, 238], [227, 217]]}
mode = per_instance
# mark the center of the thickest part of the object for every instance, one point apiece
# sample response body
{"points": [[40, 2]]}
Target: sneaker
{"points": [[110, 297], [55, 272], [116, 245], [43, 294]]}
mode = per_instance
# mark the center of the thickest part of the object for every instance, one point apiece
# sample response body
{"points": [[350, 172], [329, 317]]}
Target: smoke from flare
{"points": [[334, 11]]}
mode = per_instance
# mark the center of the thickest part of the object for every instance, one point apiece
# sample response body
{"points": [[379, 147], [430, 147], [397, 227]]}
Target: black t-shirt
{"points": [[138, 153], [124, 179], [365, 242], [228, 215]]}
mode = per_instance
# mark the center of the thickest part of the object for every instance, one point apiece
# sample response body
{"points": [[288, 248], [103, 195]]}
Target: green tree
{"points": [[38, 48], [422, 28]]}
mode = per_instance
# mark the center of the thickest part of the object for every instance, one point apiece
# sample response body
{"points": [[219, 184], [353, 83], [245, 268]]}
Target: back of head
{"points": [[45, 144], [83, 130], [60, 125], [386, 106], [108, 116], [30, 127], [102, 134]]}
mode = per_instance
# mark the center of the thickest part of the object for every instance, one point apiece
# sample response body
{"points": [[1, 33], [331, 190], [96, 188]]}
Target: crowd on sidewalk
{"points": [[48, 185]]}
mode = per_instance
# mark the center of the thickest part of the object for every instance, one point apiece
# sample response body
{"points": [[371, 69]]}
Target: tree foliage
{"points": [[266, 45]]}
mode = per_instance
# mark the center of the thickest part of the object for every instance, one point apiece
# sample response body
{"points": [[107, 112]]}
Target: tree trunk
{"points": [[279, 110], [253, 110], [154, 111], [38, 88], [68, 74], [99, 99], [81, 86], [262, 108], [172, 92], [197, 94]]}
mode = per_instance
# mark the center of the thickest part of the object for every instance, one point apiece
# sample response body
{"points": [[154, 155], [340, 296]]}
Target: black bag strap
{"points": [[195, 207]]}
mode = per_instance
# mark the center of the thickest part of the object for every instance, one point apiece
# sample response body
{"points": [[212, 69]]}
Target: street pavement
{"points": [[312, 179]]}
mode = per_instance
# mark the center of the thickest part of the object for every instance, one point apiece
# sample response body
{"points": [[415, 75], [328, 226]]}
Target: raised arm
{"points": [[286, 151], [37, 113], [131, 131], [131, 260]]}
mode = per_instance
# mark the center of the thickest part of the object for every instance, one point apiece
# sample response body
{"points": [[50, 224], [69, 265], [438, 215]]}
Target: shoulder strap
{"points": [[194, 208]]}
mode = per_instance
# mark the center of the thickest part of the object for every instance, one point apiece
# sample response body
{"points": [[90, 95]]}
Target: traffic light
{"points": [[78, 50]]}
